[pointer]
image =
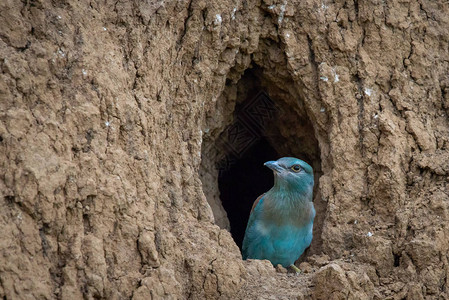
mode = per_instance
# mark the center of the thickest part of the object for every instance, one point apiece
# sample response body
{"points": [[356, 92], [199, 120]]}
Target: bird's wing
{"points": [[248, 233], [256, 202]]}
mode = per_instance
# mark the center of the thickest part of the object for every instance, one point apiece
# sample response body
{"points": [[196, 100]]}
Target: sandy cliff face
{"points": [[110, 113]]}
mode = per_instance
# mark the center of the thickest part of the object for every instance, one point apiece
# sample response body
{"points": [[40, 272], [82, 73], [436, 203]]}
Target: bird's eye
{"points": [[296, 168]]}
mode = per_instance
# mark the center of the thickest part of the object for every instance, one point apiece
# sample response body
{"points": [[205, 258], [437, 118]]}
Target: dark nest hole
{"points": [[243, 182], [268, 123]]}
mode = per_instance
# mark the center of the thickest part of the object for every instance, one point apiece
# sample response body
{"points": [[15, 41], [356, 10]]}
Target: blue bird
{"points": [[281, 220]]}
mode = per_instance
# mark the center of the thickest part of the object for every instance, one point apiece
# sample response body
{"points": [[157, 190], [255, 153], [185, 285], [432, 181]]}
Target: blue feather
{"points": [[280, 225]]}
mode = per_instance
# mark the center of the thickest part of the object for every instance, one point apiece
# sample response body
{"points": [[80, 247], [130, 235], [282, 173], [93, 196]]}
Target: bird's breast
{"points": [[297, 214]]}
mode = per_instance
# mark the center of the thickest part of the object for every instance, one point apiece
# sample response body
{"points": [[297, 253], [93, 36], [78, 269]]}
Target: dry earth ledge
{"points": [[110, 117]]}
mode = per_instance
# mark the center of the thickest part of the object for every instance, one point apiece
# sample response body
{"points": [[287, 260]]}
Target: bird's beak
{"points": [[273, 165]]}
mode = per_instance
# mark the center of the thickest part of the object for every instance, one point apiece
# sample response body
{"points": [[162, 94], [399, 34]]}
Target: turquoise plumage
{"points": [[281, 221]]}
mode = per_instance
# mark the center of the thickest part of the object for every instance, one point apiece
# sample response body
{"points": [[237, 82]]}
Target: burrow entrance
{"points": [[268, 122]]}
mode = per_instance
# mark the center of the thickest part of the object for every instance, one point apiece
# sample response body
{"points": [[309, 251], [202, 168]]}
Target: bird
{"points": [[280, 224]]}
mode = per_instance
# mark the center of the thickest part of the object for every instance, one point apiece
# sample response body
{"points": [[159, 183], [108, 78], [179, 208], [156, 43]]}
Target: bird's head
{"points": [[292, 174]]}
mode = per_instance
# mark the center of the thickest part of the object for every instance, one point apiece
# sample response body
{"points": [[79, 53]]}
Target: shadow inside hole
{"points": [[245, 180]]}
